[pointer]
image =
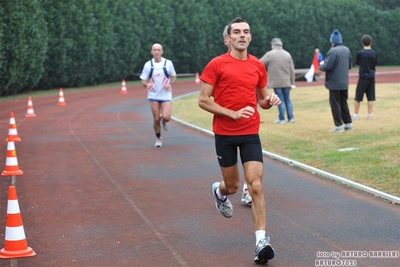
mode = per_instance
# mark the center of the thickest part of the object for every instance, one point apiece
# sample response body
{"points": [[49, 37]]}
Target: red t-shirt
{"points": [[235, 86]]}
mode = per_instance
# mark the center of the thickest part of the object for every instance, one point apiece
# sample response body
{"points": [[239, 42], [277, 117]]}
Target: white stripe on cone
{"points": [[15, 233], [13, 207], [12, 131], [11, 161]]}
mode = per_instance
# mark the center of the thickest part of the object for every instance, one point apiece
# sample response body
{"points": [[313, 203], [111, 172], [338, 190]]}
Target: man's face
{"points": [[240, 36], [157, 51]]}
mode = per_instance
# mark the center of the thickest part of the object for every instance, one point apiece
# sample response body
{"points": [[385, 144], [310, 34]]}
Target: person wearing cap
{"points": [[280, 68], [336, 67]]}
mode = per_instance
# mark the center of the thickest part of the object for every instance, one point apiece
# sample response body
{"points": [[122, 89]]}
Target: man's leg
{"points": [[356, 108], [358, 98], [281, 106], [344, 106], [334, 100], [155, 109], [253, 172], [166, 114], [288, 103], [230, 183], [166, 110], [370, 92], [370, 106], [227, 158]]}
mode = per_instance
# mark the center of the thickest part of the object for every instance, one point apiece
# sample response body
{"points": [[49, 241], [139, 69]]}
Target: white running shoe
{"points": [[166, 126], [224, 207], [349, 127], [158, 142], [338, 129], [246, 198], [264, 251], [278, 121]]}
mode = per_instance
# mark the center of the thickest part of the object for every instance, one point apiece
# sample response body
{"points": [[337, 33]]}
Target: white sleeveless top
{"points": [[158, 78]]}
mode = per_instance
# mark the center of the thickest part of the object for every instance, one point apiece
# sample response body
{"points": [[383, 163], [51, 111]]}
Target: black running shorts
{"points": [[227, 146], [367, 87]]}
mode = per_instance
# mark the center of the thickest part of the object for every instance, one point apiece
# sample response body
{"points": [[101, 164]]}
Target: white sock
{"points": [[260, 234], [220, 196], [245, 188]]}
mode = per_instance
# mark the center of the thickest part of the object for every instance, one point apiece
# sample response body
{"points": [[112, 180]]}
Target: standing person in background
{"points": [[366, 59], [158, 77], [233, 99], [246, 198], [336, 65], [280, 68], [320, 56]]}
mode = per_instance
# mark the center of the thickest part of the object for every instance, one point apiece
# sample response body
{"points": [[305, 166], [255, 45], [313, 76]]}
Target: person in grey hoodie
{"points": [[280, 68], [336, 65]]}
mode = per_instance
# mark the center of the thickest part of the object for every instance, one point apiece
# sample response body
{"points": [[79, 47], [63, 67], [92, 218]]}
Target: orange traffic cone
{"points": [[11, 161], [12, 131], [15, 245], [30, 112], [123, 88], [197, 81], [61, 101]]}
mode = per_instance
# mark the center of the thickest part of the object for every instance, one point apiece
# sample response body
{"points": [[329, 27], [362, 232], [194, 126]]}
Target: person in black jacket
{"points": [[367, 60], [336, 65]]}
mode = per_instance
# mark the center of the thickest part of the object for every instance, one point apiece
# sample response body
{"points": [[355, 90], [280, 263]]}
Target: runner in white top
{"points": [[158, 77]]}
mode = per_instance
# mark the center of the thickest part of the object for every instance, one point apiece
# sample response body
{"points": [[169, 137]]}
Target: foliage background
{"points": [[47, 44]]}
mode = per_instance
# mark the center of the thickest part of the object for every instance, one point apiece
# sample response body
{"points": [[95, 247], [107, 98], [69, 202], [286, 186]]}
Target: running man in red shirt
{"points": [[233, 84], [246, 198]]}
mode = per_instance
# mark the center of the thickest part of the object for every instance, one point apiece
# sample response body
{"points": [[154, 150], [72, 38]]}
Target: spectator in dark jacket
{"points": [[336, 65]]}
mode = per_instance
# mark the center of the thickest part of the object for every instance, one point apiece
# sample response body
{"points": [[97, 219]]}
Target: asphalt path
{"points": [[95, 192]]}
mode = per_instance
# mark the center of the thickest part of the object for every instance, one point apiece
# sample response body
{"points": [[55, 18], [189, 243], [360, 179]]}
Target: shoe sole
{"points": [[246, 202], [265, 255]]}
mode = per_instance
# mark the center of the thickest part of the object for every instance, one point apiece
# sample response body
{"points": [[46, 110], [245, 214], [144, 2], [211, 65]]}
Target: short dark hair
{"points": [[366, 40], [236, 20]]}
